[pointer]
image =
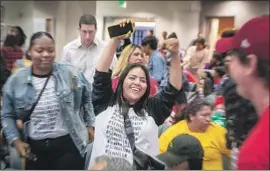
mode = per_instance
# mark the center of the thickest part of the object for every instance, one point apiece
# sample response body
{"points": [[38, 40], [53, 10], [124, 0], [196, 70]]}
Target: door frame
{"points": [[207, 23], [208, 29]]}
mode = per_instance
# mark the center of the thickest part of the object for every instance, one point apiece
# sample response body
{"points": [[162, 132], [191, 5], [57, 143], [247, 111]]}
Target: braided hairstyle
{"points": [[240, 114]]}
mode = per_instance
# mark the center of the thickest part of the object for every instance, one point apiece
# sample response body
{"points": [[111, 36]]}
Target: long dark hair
{"points": [[11, 41], [118, 97], [172, 35], [201, 41], [21, 35]]}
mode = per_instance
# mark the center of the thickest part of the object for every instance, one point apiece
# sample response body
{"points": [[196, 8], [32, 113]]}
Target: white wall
{"points": [[181, 17], [12, 11], [19, 13], [75, 9], [26, 20], [60, 30], [65, 13], [241, 10]]}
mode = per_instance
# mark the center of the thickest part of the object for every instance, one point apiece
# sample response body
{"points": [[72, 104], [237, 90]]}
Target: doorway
{"points": [[225, 23], [215, 26]]}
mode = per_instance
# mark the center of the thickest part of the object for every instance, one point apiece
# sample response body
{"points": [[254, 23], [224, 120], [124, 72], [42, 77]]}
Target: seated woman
{"points": [[129, 107], [217, 60], [197, 123], [132, 54], [218, 75], [203, 88]]}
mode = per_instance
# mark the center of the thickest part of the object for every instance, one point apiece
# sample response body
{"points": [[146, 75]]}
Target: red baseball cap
{"points": [[224, 45], [253, 37]]}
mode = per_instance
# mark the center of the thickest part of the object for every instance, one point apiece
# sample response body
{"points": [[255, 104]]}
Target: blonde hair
{"points": [[124, 59]]}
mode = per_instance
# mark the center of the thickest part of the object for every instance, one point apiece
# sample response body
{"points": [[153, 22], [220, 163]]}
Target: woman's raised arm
{"points": [[175, 78], [106, 57]]}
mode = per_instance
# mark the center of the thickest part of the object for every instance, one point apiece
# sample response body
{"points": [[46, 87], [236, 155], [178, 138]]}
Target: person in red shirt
{"points": [[11, 51], [249, 67]]}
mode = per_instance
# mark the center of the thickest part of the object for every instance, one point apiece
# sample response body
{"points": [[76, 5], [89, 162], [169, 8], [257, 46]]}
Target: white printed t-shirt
{"points": [[46, 120], [111, 138]]}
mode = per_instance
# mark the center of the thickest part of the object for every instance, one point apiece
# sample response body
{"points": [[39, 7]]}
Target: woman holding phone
{"points": [[130, 103]]}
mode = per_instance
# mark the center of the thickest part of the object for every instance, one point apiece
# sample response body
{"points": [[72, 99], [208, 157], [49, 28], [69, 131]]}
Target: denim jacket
{"points": [[74, 95], [157, 68]]}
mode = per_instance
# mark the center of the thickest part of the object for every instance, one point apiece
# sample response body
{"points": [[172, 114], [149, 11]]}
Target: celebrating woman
{"points": [[128, 119]]}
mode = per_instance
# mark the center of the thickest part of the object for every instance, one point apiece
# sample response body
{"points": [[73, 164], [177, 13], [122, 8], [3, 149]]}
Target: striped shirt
{"points": [[46, 120]]}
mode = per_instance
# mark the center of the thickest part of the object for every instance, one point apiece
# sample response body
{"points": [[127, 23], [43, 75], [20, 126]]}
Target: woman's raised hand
{"points": [[172, 45], [107, 55], [122, 23], [175, 78]]}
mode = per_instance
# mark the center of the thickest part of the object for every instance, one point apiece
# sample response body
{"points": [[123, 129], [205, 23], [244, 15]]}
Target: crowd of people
{"points": [[121, 106]]}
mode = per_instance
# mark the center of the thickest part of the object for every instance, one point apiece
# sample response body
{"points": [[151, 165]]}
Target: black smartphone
{"points": [[117, 31]]}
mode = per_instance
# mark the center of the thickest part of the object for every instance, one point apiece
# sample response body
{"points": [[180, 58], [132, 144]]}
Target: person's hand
{"points": [[91, 133], [22, 148], [183, 63], [172, 45], [19, 124], [122, 23], [200, 85]]}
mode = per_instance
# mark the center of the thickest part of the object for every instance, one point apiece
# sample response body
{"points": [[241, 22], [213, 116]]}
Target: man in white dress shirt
{"points": [[84, 51]]}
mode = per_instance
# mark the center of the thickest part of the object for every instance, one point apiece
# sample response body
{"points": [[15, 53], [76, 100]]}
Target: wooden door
{"points": [[225, 23], [215, 26]]}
